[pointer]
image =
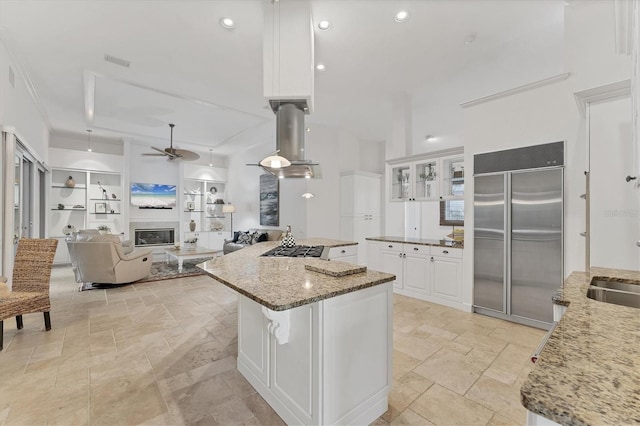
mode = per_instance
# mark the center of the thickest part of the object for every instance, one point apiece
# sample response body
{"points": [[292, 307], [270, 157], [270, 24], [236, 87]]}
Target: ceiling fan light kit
{"points": [[174, 153]]}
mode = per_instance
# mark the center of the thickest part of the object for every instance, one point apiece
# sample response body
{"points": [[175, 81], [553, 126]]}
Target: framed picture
{"points": [[191, 205], [101, 208], [269, 200]]}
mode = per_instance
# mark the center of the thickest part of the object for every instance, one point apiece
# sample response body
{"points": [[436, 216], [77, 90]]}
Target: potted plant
{"points": [[104, 229]]}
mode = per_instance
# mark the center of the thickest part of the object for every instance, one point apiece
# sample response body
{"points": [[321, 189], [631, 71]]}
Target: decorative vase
{"points": [[192, 225], [70, 183], [288, 240]]}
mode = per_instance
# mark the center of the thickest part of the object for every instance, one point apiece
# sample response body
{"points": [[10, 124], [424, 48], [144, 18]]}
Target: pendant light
{"points": [[275, 161], [89, 133]]}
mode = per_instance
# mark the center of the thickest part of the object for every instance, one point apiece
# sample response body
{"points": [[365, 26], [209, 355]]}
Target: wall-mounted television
{"points": [[153, 195]]}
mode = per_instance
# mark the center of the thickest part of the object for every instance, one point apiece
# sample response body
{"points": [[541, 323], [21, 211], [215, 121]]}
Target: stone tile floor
{"points": [[164, 353]]}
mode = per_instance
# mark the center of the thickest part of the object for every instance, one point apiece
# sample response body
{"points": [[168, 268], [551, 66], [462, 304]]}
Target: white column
{"points": [[8, 154]]}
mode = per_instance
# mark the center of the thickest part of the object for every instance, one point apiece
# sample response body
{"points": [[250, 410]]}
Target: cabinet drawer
{"points": [[387, 246], [455, 253], [417, 249], [335, 252]]}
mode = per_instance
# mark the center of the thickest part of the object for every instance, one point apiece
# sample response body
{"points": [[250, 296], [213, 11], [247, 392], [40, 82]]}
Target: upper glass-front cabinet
{"points": [[426, 187], [453, 177], [401, 182]]}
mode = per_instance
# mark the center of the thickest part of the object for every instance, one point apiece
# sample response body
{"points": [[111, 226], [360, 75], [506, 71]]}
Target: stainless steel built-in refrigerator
{"points": [[518, 233]]}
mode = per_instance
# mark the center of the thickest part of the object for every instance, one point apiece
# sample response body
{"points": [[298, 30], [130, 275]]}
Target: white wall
{"points": [[19, 110]]}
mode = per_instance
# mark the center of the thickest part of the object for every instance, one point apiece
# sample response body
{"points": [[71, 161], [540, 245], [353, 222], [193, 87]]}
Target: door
{"points": [[536, 242], [489, 243], [615, 202]]}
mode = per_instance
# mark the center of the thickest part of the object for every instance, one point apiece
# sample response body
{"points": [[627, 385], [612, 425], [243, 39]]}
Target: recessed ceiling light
{"points": [[308, 129], [227, 23], [429, 138], [324, 25], [307, 195], [320, 67], [402, 16]]}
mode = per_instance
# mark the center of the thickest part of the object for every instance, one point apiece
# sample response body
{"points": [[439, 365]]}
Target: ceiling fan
{"points": [[174, 153]]}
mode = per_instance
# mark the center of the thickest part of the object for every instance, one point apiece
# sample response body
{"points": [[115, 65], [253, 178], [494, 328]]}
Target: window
{"points": [[452, 213]]}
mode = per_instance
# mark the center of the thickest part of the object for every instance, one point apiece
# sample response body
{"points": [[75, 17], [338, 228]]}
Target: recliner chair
{"points": [[100, 259]]}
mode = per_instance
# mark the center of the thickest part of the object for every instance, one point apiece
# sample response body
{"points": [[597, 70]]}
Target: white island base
{"points": [[324, 363]]}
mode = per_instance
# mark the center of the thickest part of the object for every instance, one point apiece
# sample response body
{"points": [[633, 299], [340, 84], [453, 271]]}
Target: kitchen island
{"points": [[316, 347], [589, 370]]}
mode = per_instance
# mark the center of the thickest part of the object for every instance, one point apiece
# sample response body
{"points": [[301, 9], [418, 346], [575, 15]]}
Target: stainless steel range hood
{"points": [[290, 131]]}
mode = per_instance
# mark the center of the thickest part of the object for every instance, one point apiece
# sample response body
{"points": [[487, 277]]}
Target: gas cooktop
{"points": [[295, 251]]}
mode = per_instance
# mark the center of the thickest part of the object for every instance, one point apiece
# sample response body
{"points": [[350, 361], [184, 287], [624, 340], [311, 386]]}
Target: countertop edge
{"points": [[298, 303], [418, 241]]}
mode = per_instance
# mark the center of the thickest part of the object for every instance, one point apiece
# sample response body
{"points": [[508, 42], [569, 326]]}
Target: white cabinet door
{"points": [[373, 255], [347, 254], [447, 278], [216, 239], [391, 262], [294, 365], [253, 340], [417, 268]]}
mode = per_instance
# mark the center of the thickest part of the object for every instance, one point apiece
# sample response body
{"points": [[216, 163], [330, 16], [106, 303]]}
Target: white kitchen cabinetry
{"points": [[446, 273], [425, 272], [409, 263], [347, 254], [360, 208], [426, 177], [327, 362]]}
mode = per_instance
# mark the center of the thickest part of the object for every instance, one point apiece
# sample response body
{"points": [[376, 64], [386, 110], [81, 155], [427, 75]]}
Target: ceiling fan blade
{"points": [[150, 154], [186, 155], [158, 149]]}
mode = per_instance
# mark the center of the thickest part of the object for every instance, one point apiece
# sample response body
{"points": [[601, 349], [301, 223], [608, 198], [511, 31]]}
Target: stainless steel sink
{"points": [[615, 292]]}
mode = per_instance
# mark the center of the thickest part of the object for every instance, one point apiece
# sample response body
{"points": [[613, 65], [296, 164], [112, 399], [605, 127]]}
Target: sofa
{"points": [[232, 244], [102, 259]]}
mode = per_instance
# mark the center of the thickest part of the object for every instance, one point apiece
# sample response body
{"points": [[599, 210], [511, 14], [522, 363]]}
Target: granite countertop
{"points": [[419, 241], [589, 371], [282, 283]]}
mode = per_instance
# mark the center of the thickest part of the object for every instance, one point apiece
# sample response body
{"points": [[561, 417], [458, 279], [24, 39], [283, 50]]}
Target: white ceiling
{"points": [[187, 69]]}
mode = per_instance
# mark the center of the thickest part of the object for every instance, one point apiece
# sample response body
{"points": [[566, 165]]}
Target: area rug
{"points": [[160, 271]]}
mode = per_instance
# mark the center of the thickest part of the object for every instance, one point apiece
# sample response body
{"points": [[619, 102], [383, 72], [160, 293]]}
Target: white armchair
{"points": [[101, 259]]}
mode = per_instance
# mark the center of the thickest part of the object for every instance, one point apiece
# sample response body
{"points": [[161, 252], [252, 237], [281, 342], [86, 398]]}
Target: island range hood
{"points": [[290, 132], [288, 64]]}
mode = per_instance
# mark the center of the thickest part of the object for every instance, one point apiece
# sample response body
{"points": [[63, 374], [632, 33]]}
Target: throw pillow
{"points": [[263, 237], [244, 238], [236, 234], [254, 237]]}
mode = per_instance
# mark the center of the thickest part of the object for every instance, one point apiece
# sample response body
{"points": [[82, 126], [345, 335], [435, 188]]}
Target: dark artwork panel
{"points": [[269, 200]]}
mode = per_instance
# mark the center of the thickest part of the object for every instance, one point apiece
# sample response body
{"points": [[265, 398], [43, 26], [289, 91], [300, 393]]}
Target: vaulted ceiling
{"points": [[187, 69]]}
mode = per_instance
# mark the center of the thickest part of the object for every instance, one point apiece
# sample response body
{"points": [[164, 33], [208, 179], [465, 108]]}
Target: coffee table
{"points": [[180, 254]]}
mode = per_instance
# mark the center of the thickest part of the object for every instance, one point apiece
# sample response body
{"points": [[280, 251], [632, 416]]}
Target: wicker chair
{"points": [[30, 282]]}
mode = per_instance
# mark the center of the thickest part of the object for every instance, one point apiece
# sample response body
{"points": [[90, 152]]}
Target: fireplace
{"points": [[154, 237], [153, 234]]}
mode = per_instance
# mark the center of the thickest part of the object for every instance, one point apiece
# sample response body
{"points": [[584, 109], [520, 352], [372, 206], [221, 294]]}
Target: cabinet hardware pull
{"points": [[445, 251], [432, 258], [416, 248], [390, 246], [399, 254], [583, 234], [404, 254], [343, 251]]}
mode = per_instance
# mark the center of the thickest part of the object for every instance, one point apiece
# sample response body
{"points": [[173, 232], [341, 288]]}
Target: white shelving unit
{"points": [[202, 202], [84, 205]]}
